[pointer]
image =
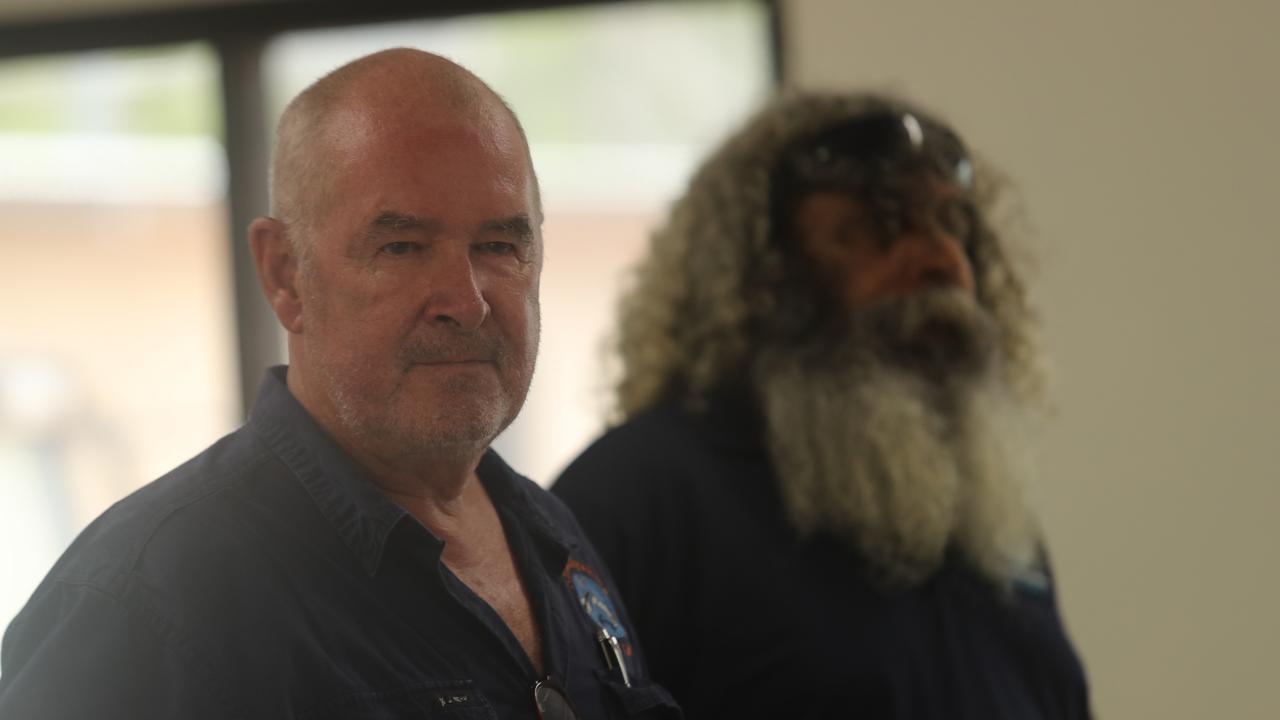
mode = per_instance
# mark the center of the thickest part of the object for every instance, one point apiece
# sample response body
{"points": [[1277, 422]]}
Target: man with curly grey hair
{"points": [[814, 503]]}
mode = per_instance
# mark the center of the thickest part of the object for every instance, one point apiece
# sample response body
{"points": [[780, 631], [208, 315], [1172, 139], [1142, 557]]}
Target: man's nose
{"points": [[455, 292], [936, 259]]}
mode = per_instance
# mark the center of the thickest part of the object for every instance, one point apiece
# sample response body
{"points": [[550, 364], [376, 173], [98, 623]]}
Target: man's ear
{"points": [[277, 265]]}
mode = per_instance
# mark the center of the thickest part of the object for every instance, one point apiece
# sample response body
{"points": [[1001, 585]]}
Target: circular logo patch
{"points": [[595, 601]]}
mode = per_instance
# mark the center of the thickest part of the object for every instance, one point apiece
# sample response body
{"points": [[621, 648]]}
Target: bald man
{"points": [[356, 549]]}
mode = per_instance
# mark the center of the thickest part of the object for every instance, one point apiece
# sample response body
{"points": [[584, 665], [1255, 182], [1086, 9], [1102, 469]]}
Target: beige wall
{"points": [[1143, 136]]}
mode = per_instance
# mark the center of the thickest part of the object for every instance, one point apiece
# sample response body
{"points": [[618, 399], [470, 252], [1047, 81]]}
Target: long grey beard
{"points": [[904, 459]]}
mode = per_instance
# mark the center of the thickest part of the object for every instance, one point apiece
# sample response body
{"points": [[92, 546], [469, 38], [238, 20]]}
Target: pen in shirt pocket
{"points": [[613, 658]]}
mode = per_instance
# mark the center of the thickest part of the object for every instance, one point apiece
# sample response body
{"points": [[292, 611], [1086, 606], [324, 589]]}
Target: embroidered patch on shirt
{"points": [[595, 601]]}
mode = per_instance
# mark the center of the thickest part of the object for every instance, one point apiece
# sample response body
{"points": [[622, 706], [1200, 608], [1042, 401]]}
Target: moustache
{"points": [[418, 350], [943, 331]]}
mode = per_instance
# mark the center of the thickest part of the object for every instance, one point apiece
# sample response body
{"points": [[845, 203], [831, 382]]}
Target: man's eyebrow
{"points": [[516, 226], [394, 221]]}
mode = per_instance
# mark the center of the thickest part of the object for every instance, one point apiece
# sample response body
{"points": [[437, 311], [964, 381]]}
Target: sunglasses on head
{"points": [[867, 146]]}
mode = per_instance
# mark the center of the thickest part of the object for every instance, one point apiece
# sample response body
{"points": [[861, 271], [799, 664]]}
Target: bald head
{"points": [[330, 120]]}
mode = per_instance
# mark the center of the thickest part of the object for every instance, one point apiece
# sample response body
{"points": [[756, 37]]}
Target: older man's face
{"points": [[915, 240], [420, 300], [897, 262]]}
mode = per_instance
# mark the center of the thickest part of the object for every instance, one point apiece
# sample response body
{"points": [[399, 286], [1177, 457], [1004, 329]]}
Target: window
{"points": [[116, 338]]}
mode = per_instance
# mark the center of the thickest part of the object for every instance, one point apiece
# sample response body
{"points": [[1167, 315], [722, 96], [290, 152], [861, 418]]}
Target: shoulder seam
{"points": [[240, 468]]}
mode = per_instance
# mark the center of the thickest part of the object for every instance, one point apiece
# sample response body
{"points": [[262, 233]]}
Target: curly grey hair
{"points": [[715, 281]]}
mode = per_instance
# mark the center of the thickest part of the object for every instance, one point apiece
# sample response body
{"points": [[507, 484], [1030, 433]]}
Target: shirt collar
{"points": [[519, 495], [358, 511], [362, 516]]}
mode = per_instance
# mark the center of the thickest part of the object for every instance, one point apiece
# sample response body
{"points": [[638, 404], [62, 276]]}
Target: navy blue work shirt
{"points": [[268, 578], [742, 618]]}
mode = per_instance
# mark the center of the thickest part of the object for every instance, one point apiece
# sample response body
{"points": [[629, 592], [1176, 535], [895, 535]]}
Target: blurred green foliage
{"points": [[169, 90], [638, 72]]}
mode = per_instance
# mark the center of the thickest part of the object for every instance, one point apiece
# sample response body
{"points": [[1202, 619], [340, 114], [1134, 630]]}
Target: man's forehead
{"points": [[457, 183], [353, 126], [365, 144]]}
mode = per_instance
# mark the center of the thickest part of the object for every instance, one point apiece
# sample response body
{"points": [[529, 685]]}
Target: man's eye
{"points": [[889, 226], [956, 219], [398, 248], [890, 223], [498, 248]]}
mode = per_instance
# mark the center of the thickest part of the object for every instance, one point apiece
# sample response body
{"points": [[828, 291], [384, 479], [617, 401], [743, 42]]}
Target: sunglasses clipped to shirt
{"points": [[552, 701]]}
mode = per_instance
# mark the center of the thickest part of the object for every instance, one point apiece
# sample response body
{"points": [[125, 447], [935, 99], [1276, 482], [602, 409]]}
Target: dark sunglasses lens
{"points": [[956, 158], [552, 703], [869, 138], [843, 153]]}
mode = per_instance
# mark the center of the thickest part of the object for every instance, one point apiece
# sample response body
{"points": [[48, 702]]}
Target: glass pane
{"points": [[619, 102], [116, 346]]}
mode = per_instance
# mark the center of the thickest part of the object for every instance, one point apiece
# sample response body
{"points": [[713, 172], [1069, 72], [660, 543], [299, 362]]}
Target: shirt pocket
{"points": [[436, 700], [644, 699]]}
